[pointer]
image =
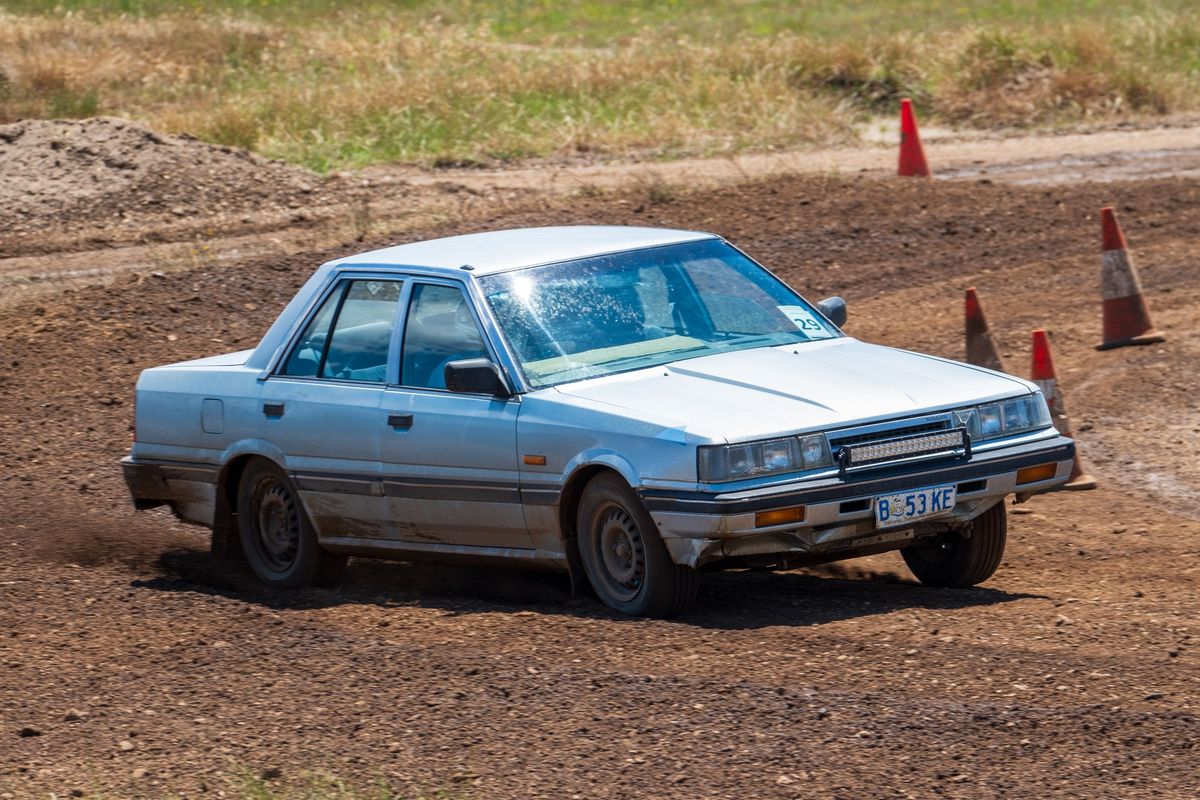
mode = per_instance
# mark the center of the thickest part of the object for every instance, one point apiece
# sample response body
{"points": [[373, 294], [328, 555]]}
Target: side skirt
{"points": [[446, 553]]}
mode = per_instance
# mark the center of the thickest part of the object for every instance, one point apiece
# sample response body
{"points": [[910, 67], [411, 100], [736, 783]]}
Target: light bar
{"points": [[902, 448]]}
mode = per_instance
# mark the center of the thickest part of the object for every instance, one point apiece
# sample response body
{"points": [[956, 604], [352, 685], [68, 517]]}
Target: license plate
{"points": [[901, 509]]}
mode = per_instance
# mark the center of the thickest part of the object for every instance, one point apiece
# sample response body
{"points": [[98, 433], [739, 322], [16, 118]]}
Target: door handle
{"points": [[273, 409], [401, 421]]}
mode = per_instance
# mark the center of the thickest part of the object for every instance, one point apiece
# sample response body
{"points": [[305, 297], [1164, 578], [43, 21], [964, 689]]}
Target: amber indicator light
{"points": [[536, 461], [779, 516], [1042, 472]]}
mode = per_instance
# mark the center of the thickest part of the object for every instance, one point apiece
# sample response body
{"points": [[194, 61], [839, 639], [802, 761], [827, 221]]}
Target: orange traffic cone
{"points": [[1044, 376], [912, 155], [981, 349], [1126, 318]]}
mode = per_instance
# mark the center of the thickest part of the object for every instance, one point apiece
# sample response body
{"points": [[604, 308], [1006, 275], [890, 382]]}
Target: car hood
{"points": [[751, 394]]}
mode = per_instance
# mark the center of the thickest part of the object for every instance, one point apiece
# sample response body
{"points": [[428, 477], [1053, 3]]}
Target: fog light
{"points": [[780, 516], [1042, 472]]}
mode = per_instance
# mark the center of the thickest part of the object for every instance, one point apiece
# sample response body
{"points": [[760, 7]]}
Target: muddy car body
{"points": [[628, 404]]}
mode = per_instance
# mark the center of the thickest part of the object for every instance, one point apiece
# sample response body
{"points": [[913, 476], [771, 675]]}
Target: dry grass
{"points": [[342, 88]]}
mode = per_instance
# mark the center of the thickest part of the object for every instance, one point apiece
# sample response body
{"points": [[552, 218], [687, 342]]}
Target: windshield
{"points": [[607, 314]]}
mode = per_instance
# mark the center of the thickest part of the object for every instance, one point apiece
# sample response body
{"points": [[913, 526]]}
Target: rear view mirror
{"points": [[475, 376], [834, 308]]}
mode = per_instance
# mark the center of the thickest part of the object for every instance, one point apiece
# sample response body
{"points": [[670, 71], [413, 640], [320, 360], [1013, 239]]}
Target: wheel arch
{"points": [[568, 510], [572, 493], [668, 587], [580, 471], [225, 540]]}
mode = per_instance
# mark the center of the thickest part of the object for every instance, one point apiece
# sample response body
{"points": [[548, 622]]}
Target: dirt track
{"points": [[132, 664]]}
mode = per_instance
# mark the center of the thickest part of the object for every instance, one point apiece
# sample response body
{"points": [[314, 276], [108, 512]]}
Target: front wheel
{"points": [[276, 535], [624, 558], [953, 560]]}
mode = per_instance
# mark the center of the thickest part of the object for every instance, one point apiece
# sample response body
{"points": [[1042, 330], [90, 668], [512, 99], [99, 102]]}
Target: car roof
{"points": [[496, 251]]}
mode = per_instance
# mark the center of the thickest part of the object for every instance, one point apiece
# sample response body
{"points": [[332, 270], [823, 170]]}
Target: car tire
{"points": [[954, 560], [624, 557], [276, 535]]}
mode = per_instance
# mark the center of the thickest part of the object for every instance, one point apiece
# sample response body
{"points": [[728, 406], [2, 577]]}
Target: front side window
{"points": [[348, 337], [607, 314], [439, 328]]}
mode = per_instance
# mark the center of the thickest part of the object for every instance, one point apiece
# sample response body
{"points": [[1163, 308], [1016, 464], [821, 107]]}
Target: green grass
{"points": [[598, 22], [314, 788], [331, 85], [324, 786]]}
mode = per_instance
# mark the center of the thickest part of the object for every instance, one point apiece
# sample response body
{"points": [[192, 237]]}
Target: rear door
{"points": [[321, 406], [449, 460]]}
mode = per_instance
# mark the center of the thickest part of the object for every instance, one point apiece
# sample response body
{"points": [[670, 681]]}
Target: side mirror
{"points": [[835, 309], [475, 376]]}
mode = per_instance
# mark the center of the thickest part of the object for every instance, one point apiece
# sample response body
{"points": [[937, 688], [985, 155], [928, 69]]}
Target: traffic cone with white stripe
{"points": [[1126, 318], [981, 348], [1044, 376], [912, 155]]}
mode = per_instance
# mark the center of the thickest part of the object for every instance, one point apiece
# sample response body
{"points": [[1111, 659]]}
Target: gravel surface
{"points": [[132, 665]]}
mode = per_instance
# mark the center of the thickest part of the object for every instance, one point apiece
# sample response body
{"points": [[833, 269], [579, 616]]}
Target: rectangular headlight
{"points": [[1007, 417], [732, 462]]}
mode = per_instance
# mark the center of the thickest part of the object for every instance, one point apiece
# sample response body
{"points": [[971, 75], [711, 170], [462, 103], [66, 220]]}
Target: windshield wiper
{"points": [[751, 340], [669, 353]]}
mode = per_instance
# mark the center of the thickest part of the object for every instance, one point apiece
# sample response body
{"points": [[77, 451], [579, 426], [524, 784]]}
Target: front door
{"points": [[448, 460]]}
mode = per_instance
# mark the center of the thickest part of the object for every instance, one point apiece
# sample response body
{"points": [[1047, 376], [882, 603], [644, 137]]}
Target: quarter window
{"points": [[439, 329], [348, 337]]}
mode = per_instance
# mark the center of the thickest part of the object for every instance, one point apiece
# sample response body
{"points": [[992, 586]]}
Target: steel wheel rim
{"points": [[620, 551], [276, 524]]}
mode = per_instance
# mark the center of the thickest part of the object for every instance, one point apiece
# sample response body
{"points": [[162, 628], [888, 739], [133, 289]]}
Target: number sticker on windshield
{"points": [[802, 318]]}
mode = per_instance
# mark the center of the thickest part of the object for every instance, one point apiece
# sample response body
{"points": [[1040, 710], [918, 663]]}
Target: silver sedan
{"points": [[632, 405]]}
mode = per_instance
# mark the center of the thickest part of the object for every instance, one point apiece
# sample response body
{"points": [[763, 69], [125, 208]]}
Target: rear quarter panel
{"points": [[194, 412]]}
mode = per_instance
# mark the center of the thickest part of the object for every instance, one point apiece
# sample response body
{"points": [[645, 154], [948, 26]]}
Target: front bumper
{"points": [[838, 515]]}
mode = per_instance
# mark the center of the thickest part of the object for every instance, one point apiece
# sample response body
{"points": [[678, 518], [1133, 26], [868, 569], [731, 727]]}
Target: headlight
{"points": [[1006, 417], [731, 462]]}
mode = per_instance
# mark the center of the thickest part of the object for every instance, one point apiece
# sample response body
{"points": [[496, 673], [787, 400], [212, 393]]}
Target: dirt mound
{"points": [[106, 173]]}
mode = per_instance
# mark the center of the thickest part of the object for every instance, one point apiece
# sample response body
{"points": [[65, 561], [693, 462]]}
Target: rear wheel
{"points": [[956, 560], [276, 535], [624, 558]]}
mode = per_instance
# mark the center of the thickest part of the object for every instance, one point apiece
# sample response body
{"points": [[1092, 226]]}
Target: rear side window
{"points": [[348, 337]]}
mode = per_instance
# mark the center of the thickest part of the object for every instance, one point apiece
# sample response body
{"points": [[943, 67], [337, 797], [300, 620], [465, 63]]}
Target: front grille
{"points": [[890, 433]]}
